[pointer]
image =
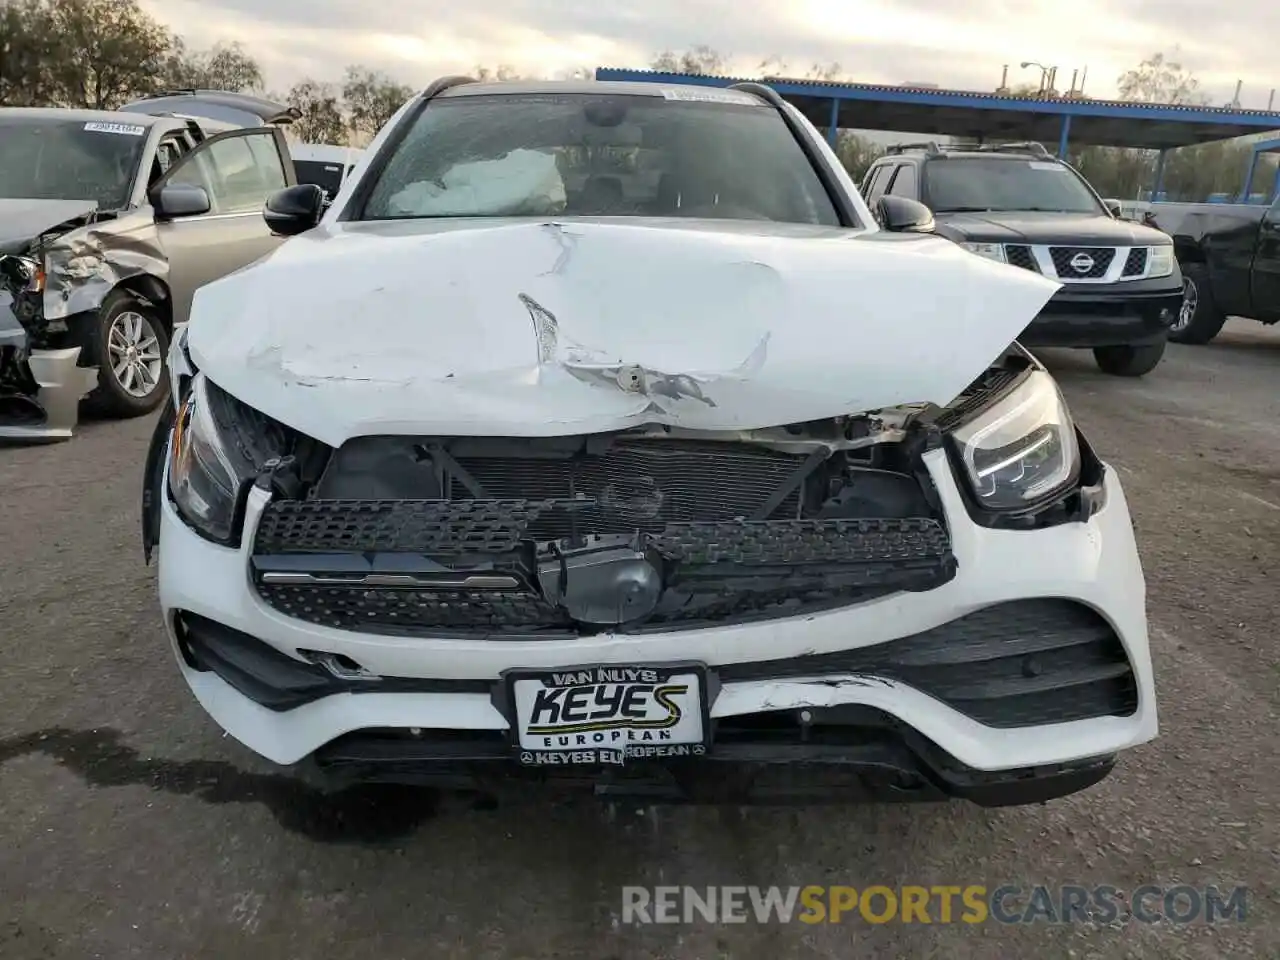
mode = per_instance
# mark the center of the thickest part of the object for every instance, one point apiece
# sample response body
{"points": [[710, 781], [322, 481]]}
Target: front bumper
{"points": [[1131, 313], [40, 390], [443, 686]]}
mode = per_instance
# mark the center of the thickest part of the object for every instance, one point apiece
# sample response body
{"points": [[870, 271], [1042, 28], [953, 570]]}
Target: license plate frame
{"points": [[610, 750]]}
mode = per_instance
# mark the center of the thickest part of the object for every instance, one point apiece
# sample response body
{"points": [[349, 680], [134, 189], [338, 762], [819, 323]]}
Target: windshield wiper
{"points": [[963, 210]]}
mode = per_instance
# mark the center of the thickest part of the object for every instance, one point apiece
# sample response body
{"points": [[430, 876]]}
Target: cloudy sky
{"points": [[959, 43]]}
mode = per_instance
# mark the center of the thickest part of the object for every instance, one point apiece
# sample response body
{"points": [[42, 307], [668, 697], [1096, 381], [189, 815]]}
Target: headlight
{"points": [[24, 274], [217, 450], [992, 251], [1160, 261], [1023, 449]]}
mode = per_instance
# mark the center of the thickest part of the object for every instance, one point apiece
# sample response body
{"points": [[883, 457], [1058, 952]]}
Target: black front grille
{"points": [[1063, 256], [712, 571], [1135, 264], [1016, 664], [1019, 255]]}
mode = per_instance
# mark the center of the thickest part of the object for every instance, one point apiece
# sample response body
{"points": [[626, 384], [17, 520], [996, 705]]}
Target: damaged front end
{"points": [[40, 388], [41, 380], [51, 288], [652, 528]]}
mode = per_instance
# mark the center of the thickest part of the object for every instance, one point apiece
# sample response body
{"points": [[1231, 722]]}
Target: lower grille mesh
{"points": [[1016, 664]]}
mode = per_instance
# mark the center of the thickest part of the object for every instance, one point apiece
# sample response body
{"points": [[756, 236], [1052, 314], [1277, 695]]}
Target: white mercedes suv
{"points": [[599, 431]]}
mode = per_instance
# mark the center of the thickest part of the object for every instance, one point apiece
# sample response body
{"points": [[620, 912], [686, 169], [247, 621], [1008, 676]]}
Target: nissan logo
{"points": [[1082, 263]]}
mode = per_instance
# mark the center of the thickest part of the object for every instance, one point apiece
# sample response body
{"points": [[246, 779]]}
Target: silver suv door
{"points": [[238, 170]]}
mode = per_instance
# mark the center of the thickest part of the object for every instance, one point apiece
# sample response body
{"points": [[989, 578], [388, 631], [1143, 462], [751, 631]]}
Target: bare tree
{"points": [[1160, 79], [699, 59], [502, 71], [224, 67], [323, 119], [372, 98]]}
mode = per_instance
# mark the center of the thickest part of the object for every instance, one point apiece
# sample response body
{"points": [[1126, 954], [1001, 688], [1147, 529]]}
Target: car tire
{"points": [[1199, 318], [1129, 361], [132, 346]]}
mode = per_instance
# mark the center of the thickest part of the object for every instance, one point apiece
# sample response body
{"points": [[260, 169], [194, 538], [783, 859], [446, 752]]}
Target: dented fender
{"points": [[83, 266]]}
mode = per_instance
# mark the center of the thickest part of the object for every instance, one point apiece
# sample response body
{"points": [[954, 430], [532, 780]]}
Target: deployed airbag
{"points": [[523, 183]]}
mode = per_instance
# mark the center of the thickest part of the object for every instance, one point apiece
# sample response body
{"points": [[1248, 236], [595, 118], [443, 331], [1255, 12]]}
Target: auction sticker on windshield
{"points": [[124, 129], [608, 714]]}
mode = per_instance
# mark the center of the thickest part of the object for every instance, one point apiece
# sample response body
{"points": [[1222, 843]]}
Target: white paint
{"points": [[1046, 165], [1095, 563], [419, 326]]}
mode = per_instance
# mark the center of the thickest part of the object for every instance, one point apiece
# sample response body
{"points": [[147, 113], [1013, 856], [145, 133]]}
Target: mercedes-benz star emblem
{"points": [[1082, 263]]}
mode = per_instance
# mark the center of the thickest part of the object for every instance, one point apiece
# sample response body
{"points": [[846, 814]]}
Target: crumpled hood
{"points": [[21, 221], [522, 328]]}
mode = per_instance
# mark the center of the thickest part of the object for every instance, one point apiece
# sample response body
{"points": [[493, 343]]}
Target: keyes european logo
{"points": [[608, 714]]}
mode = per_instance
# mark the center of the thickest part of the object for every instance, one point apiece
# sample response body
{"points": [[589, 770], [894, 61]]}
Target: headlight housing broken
{"points": [[218, 447], [1022, 450]]}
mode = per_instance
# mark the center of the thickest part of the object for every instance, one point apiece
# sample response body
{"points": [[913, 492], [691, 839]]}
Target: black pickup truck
{"points": [[1015, 203], [1230, 259]]}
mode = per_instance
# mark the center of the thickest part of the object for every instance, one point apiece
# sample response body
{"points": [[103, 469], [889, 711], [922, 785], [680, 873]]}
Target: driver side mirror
{"points": [[295, 209], [1114, 208], [180, 200], [903, 215]]}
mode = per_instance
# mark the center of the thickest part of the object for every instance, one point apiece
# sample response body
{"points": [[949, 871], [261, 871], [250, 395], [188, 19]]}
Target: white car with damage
{"points": [[600, 431]]}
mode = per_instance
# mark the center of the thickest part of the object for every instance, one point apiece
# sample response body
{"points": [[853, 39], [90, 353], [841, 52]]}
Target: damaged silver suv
{"points": [[108, 223]]}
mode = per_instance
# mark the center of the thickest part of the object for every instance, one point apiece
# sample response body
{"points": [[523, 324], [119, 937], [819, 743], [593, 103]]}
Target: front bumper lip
{"points": [[62, 384], [995, 566], [876, 759]]}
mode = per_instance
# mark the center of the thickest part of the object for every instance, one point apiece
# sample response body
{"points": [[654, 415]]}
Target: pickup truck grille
{"points": [[1019, 255], [1068, 260], [1135, 265], [1037, 259]]}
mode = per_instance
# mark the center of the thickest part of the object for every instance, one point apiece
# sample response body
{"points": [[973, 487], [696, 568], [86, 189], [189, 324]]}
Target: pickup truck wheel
{"points": [[1126, 361], [131, 346], [1199, 318]]}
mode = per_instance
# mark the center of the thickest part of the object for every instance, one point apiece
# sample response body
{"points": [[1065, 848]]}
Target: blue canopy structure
{"points": [[989, 117]]}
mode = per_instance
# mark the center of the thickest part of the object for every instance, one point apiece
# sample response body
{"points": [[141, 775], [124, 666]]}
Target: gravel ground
{"points": [[129, 827]]}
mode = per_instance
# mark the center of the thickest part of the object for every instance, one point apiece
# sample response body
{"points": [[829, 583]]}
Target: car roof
{"points": [[82, 116], [669, 91]]}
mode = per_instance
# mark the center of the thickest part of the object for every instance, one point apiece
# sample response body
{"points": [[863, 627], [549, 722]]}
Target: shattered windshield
{"points": [[55, 159], [971, 184], [491, 155]]}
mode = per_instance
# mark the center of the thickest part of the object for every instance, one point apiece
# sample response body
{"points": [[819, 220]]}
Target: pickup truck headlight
{"points": [[1160, 261], [1021, 450], [218, 448], [992, 251]]}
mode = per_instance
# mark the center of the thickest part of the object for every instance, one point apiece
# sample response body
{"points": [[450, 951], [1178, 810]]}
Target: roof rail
{"points": [[444, 83], [930, 147], [1021, 146], [761, 90]]}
